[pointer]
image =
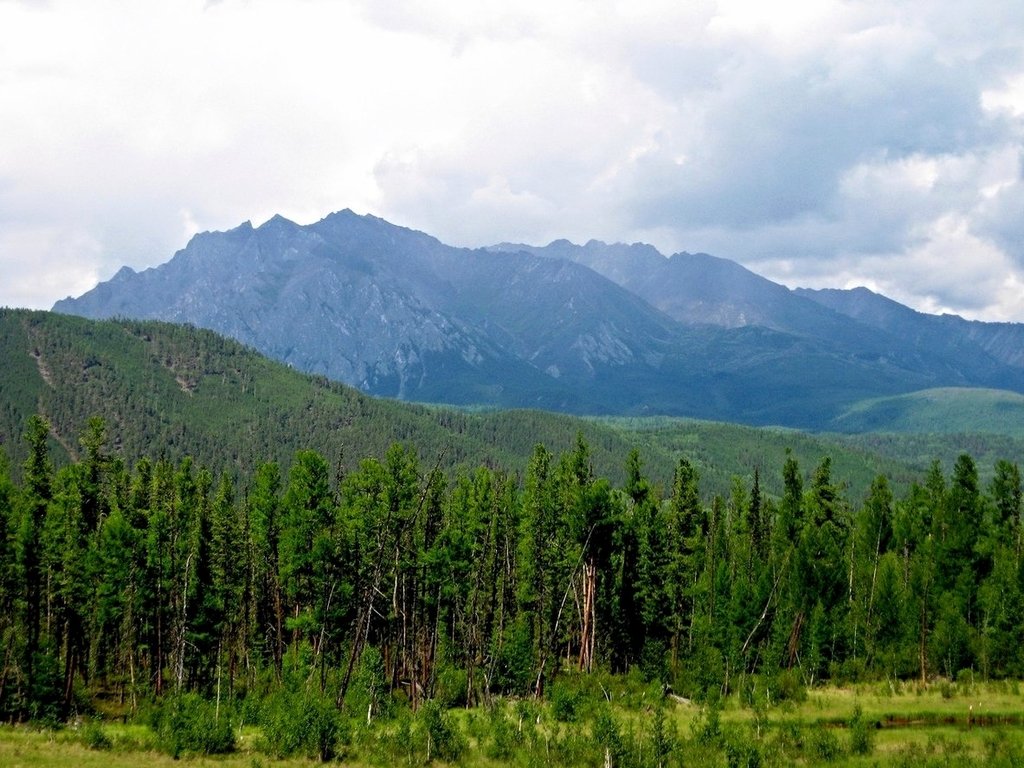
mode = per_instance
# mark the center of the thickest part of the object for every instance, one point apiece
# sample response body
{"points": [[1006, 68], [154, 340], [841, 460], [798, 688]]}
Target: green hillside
{"points": [[724, 451], [177, 390], [943, 411]]}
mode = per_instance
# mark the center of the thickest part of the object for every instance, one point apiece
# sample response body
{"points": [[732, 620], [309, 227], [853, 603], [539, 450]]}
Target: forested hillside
{"points": [[174, 391], [394, 585], [177, 390]]}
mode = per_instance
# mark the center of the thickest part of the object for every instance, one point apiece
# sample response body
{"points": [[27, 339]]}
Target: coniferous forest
{"points": [[323, 596]]}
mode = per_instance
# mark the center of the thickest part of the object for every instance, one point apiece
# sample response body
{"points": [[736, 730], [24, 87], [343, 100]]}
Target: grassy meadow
{"points": [[628, 723]]}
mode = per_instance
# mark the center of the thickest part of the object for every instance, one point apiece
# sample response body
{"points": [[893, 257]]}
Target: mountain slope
{"points": [[938, 411], [397, 313], [174, 390], [180, 390], [693, 288], [1004, 342], [698, 288]]}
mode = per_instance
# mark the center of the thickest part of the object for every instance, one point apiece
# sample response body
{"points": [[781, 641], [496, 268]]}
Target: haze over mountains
{"points": [[584, 329]]}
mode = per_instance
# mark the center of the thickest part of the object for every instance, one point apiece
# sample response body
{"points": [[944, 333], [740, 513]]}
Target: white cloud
{"points": [[68, 266], [822, 143]]}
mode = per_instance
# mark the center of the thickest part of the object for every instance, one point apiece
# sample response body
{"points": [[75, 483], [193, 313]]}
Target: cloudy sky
{"points": [[819, 143]]}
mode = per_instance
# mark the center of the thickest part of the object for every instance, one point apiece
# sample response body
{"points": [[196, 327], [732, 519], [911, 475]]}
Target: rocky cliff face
{"points": [[395, 312], [596, 328]]}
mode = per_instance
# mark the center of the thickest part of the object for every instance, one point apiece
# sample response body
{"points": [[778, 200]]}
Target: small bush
{"points": [[654, 661], [862, 733], [965, 681], [368, 697], [94, 737], [189, 724], [707, 726], [664, 739], [504, 737], [741, 751], [451, 686], [566, 701], [44, 699], [301, 723], [790, 737], [790, 687], [823, 745], [396, 743], [444, 739], [608, 736], [527, 716]]}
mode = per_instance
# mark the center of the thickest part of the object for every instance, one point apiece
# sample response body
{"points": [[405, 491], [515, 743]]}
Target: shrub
{"points": [[301, 723], [790, 737], [443, 737], [504, 737], [396, 743], [44, 697], [823, 745], [451, 685], [189, 723], [741, 751], [790, 687], [965, 681], [664, 740], [513, 667], [368, 697], [707, 726], [654, 661], [608, 737], [862, 733], [566, 700], [94, 737]]}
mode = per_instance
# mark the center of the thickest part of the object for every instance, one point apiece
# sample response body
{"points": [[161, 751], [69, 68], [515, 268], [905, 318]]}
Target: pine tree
{"points": [[36, 495]]}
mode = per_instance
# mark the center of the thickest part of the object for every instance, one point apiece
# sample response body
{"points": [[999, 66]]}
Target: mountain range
{"points": [[596, 329]]}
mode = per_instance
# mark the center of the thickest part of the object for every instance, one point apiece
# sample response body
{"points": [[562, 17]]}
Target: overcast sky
{"points": [[821, 144]]}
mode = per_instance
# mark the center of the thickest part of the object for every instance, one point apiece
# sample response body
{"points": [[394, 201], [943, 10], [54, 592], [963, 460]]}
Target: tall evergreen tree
{"points": [[36, 495]]}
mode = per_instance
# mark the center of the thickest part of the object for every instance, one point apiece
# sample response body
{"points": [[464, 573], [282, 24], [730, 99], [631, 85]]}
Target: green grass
{"points": [[939, 411], [908, 724]]}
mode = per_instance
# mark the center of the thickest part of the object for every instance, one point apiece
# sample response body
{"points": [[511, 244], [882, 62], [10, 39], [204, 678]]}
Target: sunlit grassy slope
{"points": [[939, 411]]}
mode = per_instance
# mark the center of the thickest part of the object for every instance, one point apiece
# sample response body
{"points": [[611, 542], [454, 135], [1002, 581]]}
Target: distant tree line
{"points": [[397, 582]]}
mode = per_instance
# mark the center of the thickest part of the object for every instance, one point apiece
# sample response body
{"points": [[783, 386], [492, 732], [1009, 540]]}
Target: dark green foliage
{"points": [[94, 737], [43, 700], [354, 604], [566, 700], [822, 746], [741, 750], [189, 724], [862, 733], [788, 686], [450, 685], [171, 391], [444, 741], [302, 723]]}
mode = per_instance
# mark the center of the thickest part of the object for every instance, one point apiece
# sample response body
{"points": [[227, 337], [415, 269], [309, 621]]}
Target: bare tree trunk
{"points": [[589, 617], [181, 640]]}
